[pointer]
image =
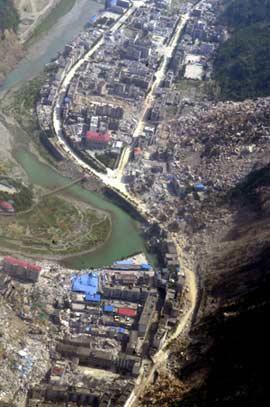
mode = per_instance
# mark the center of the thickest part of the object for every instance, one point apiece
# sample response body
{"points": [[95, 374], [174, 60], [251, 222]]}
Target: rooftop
{"points": [[86, 283], [21, 263], [98, 137]]}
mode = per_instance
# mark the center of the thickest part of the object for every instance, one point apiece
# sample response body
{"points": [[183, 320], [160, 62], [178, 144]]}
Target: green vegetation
{"points": [[109, 159], [21, 105], [56, 13], [243, 13], [9, 18], [21, 199], [54, 226], [25, 98], [242, 63]]}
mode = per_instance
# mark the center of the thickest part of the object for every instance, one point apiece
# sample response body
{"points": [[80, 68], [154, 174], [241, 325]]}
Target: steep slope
{"points": [[230, 339], [223, 362], [9, 18], [242, 63], [10, 48]]}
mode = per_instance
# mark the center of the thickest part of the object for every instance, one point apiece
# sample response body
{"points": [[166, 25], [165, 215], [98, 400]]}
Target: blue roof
{"points": [[146, 266], [86, 283], [199, 186], [124, 262], [108, 308], [93, 298]]}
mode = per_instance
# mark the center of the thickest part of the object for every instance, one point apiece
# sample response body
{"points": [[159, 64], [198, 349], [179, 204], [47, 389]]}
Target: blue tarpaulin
{"points": [[86, 283], [93, 298], [146, 266], [124, 262], [108, 308], [200, 187]]}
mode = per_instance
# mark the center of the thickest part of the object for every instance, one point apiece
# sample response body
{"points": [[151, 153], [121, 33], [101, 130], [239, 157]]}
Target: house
{"points": [[6, 207], [96, 140], [21, 269]]}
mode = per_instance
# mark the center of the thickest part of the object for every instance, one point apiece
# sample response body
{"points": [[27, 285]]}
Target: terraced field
{"points": [[54, 227]]}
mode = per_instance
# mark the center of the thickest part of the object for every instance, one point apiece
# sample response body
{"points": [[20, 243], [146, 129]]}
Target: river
{"points": [[50, 44], [125, 238]]}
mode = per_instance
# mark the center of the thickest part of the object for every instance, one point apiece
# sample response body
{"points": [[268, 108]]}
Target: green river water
{"points": [[125, 238]]}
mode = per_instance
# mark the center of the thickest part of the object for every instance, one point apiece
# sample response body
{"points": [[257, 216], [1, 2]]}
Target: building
{"points": [[96, 140], [6, 207], [147, 314], [123, 3], [127, 312], [21, 269], [110, 3], [86, 283]]}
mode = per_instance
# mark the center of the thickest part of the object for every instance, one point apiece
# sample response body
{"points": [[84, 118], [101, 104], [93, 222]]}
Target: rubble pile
{"points": [[24, 355], [199, 158]]}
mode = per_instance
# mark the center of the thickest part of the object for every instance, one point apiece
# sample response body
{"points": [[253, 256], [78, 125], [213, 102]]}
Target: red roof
{"points": [[21, 263], [98, 137], [137, 150], [127, 312], [6, 205]]}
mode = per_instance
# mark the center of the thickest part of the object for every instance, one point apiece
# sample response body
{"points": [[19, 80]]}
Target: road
{"points": [[34, 15], [161, 357], [161, 72], [111, 178], [148, 102]]}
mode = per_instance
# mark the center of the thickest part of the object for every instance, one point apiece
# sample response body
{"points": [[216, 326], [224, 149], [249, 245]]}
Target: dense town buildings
{"points": [[103, 319]]}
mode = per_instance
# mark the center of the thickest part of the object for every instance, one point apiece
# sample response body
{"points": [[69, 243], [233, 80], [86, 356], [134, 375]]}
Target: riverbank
{"points": [[50, 43], [39, 168], [47, 22]]}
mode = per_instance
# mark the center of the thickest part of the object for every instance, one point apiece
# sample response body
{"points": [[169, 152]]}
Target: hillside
{"points": [[241, 66], [241, 13], [9, 18], [222, 363], [229, 341]]}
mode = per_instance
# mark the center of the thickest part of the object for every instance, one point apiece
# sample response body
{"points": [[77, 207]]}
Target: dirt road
{"points": [[31, 12]]}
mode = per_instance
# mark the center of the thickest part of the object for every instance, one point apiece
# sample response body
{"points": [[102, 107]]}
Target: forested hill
{"points": [[240, 13], [9, 18], [242, 64]]}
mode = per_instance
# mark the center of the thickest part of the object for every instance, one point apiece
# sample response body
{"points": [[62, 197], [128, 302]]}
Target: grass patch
{"points": [[56, 13], [109, 159], [194, 90], [54, 226], [20, 104]]}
